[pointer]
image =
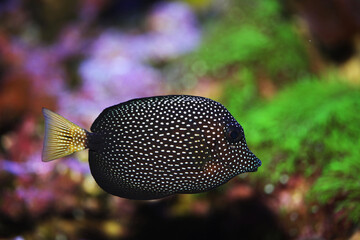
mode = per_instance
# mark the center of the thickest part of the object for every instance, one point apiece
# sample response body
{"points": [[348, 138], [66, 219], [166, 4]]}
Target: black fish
{"points": [[153, 147]]}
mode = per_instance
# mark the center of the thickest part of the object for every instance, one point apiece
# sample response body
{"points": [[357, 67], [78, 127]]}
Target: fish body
{"points": [[150, 148]]}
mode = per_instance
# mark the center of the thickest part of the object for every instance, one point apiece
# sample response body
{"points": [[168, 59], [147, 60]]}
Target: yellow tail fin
{"points": [[62, 137]]}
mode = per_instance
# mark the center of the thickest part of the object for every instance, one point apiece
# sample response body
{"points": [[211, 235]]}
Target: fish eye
{"points": [[234, 134]]}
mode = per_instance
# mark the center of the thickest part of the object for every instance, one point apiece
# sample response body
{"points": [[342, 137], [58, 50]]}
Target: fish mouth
{"points": [[259, 163]]}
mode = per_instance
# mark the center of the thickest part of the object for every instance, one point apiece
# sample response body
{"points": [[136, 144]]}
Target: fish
{"points": [[154, 147]]}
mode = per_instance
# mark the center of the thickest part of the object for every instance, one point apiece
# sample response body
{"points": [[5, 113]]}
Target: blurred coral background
{"points": [[289, 71]]}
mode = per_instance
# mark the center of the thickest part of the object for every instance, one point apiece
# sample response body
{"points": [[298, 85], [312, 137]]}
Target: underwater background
{"points": [[289, 72]]}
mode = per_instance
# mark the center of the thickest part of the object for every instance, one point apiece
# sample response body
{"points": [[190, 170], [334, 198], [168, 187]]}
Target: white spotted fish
{"points": [[150, 148]]}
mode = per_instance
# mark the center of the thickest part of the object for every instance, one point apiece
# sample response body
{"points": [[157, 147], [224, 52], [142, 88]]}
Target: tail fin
{"points": [[62, 137]]}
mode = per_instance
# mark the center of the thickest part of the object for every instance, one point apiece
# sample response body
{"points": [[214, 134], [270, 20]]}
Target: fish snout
{"points": [[259, 162], [256, 163]]}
